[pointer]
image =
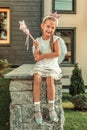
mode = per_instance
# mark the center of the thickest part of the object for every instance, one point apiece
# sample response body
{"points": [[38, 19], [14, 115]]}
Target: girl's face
{"points": [[48, 28]]}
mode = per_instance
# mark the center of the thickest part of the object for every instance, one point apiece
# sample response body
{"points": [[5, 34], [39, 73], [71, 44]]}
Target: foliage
{"points": [[4, 63], [4, 103], [77, 83], [80, 102]]}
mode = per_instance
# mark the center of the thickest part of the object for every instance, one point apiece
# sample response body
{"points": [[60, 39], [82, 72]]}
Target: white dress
{"points": [[48, 66]]}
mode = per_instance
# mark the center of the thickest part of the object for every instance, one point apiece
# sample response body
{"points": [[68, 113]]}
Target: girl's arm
{"points": [[53, 54], [35, 49], [36, 46]]}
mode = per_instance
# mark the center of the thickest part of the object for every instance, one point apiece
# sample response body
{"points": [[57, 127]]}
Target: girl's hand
{"points": [[36, 44], [37, 54], [38, 57]]}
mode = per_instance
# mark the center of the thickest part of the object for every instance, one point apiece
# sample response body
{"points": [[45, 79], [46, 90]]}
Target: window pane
{"points": [[63, 4]]}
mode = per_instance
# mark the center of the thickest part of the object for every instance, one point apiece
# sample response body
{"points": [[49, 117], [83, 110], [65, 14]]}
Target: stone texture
{"points": [[24, 85], [15, 117]]}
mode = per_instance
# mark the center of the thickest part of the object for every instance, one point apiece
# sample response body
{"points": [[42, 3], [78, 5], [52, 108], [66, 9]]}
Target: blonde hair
{"points": [[50, 18]]}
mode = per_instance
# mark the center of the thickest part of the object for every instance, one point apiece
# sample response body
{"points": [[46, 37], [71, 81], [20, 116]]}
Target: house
{"points": [[14, 49], [72, 27]]}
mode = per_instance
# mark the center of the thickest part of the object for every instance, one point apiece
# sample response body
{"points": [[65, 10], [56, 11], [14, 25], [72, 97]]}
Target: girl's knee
{"points": [[37, 78]]}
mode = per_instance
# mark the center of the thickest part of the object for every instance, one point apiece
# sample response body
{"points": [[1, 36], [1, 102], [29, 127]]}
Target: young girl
{"points": [[46, 52]]}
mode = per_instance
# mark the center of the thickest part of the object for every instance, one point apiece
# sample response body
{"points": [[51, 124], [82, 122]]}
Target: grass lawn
{"points": [[74, 120]]}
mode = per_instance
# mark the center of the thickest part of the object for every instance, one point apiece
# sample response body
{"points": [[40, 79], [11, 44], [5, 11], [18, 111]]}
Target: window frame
{"points": [[72, 11], [73, 44], [6, 42]]}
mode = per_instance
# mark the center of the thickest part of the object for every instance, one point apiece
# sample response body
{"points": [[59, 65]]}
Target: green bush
{"points": [[77, 83], [80, 102], [4, 63]]}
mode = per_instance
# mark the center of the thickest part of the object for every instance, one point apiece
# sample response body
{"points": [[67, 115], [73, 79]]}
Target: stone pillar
{"points": [[22, 108]]}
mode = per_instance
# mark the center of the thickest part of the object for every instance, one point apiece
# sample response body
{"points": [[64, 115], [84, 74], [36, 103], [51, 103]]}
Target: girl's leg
{"points": [[36, 95], [50, 88], [37, 87], [51, 98]]}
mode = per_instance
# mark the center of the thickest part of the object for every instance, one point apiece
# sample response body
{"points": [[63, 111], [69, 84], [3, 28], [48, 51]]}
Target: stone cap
{"points": [[24, 71]]}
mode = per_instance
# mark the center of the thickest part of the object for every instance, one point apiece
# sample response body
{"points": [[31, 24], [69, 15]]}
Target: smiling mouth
{"points": [[49, 32]]}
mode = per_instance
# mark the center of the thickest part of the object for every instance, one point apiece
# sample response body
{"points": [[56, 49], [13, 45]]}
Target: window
{"points": [[64, 6], [68, 35], [4, 26]]}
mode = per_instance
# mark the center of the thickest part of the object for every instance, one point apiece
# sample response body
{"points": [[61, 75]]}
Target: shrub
{"points": [[80, 102], [4, 63], [77, 83]]}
